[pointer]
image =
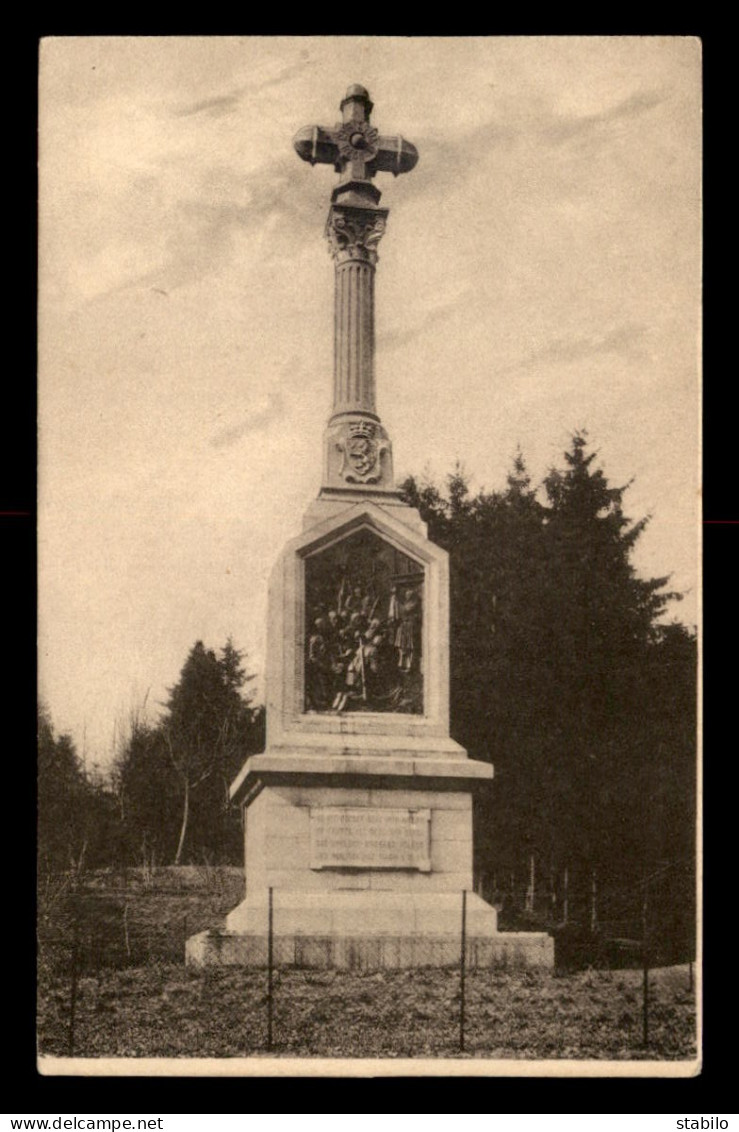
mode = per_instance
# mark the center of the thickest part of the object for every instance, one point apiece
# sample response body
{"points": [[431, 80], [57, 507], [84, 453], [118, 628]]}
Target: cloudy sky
{"points": [[540, 274]]}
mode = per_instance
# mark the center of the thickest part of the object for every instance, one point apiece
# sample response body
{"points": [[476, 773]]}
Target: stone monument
{"points": [[358, 816]]}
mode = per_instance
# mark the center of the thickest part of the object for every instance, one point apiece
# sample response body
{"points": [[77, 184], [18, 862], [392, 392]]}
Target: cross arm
{"points": [[379, 154], [317, 145], [395, 155]]}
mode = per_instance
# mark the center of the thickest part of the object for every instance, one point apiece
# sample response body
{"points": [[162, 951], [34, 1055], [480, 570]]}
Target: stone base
{"points": [[367, 931], [513, 950], [350, 889], [336, 914]]}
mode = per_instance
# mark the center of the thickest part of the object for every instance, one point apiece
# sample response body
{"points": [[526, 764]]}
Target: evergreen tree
{"points": [[149, 803], [173, 778], [601, 618], [558, 658], [62, 793]]}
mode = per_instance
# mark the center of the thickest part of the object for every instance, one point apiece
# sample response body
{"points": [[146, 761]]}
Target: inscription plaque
{"points": [[366, 838]]}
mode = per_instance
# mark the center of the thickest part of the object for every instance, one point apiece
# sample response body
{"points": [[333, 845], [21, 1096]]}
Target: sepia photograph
{"points": [[369, 556]]}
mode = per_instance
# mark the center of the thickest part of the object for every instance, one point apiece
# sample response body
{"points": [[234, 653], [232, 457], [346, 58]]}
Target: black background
{"points": [[25, 1091]]}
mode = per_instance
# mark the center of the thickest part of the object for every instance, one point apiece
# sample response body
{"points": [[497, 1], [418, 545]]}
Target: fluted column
{"points": [[354, 338], [353, 235], [357, 448]]}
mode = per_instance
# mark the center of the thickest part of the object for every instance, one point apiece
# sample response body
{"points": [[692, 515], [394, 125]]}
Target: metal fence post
{"points": [[645, 965], [73, 987], [126, 937], [462, 970], [269, 972]]}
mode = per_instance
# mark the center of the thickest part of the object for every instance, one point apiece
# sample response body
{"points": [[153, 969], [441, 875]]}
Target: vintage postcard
{"points": [[369, 482]]}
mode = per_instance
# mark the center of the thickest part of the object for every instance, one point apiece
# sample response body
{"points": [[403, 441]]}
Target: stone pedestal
{"points": [[360, 822]]}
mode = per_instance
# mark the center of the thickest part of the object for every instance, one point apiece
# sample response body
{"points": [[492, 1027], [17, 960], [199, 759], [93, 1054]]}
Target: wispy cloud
{"points": [[203, 225], [213, 107], [222, 104], [452, 160], [561, 129], [258, 418], [624, 340], [284, 75], [400, 335]]}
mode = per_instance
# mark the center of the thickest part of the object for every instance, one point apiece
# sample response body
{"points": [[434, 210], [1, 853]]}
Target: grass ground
{"points": [[135, 998], [133, 916], [164, 1010]]}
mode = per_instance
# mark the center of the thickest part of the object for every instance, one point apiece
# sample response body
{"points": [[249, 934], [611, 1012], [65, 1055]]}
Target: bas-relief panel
{"points": [[363, 631]]}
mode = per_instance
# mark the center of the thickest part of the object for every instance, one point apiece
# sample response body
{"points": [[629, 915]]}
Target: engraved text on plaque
{"points": [[367, 838]]}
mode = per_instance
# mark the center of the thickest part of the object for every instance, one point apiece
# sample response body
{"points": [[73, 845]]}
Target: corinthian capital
{"points": [[354, 233]]}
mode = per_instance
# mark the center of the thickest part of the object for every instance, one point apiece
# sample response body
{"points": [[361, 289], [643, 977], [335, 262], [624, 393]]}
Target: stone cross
{"points": [[355, 148], [357, 452]]}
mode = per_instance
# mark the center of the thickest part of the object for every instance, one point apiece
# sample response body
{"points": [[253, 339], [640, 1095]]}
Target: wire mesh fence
{"points": [[112, 987], [97, 948]]}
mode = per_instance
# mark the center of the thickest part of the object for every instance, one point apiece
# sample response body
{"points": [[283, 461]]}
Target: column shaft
{"points": [[354, 337]]}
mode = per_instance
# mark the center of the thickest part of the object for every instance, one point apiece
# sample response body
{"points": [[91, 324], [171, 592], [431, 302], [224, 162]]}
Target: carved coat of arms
{"points": [[361, 450]]}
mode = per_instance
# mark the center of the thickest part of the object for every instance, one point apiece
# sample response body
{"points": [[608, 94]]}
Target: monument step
{"points": [[371, 953], [363, 911]]}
